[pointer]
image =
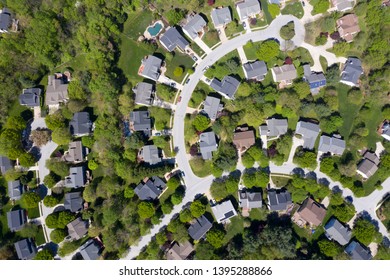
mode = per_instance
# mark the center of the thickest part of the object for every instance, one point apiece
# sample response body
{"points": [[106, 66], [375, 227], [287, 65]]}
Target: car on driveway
{"points": [[303, 3], [194, 58], [205, 69], [219, 31], [173, 85], [244, 24]]}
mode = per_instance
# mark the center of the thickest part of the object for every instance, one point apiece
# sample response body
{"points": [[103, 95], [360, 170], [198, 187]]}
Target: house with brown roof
{"points": [[310, 212], [56, 90], [348, 27], [76, 152], [179, 251], [243, 138]]}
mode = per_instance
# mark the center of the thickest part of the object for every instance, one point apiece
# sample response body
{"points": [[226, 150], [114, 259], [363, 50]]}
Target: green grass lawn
{"points": [[324, 63], [264, 7], [280, 181], [190, 136], [384, 213], [130, 58], [33, 213], [200, 167], [136, 23], [211, 37], [372, 121], [40, 237], [250, 50], [219, 71], [235, 227], [181, 60], [348, 111], [294, 9]]}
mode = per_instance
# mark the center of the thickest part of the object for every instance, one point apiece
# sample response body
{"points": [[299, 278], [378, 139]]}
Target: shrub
{"points": [[58, 235]]}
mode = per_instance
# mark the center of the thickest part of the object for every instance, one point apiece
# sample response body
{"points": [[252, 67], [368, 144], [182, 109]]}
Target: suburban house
{"points": [[195, 26], [199, 227], [343, 5], [31, 97], [310, 212], [144, 94], [56, 90], [315, 80], [76, 178], [348, 26], [25, 249], [279, 200], [274, 127], [243, 138], [227, 87], [224, 211], [150, 154], [248, 9], [284, 74], [309, 132], [73, 201], [77, 228], [357, 252], [352, 72], [335, 230], [5, 20], [76, 152], [368, 166], [179, 251], [249, 200], [221, 17], [211, 107], [80, 125], [91, 250], [150, 67], [256, 70], [150, 188], [333, 145], [15, 190], [172, 39], [5, 164], [385, 130], [16, 219], [141, 121], [207, 144]]}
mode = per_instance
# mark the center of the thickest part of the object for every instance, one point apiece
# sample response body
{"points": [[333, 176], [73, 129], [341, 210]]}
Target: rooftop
{"points": [[207, 144], [172, 39], [180, 251], [244, 139], [285, 72], [141, 121], [221, 16], [227, 87], [274, 127], [150, 154], [5, 164], [357, 252], [279, 200], [212, 106], [90, 250], [352, 71], [199, 227], [56, 90], [309, 132], [73, 201], [331, 145], [150, 67], [76, 152], [16, 219], [311, 212], [223, 211], [347, 26], [248, 8], [5, 19], [76, 178], [255, 70], [80, 124], [338, 232], [194, 26], [30, 97], [25, 249], [249, 200], [15, 190], [143, 93], [150, 189], [77, 228]]}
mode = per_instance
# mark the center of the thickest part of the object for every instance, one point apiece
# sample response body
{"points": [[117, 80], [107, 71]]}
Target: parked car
{"points": [[194, 58], [188, 80], [219, 31], [182, 174], [173, 85], [244, 24], [157, 134], [303, 3], [179, 99]]}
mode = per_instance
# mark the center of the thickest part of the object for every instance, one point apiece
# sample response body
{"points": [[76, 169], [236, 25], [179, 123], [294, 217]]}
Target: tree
{"points": [[16, 123], [87, 141], [29, 230], [26, 159], [247, 160], [355, 96], [320, 6], [92, 164], [268, 50], [364, 231], [177, 198], [178, 71], [287, 32], [51, 180], [173, 183], [327, 165], [58, 235], [341, 48], [185, 216], [61, 136], [302, 88], [161, 238], [218, 190], [129, 192], [44, 254], [174, 16], [197, 208], [40, 137], [277, 243], [51, 201], [55, 120], [274, 10], [215, 237], [146, 210], [201, 122], [306, 159], [59, 219], [58, 167], [167, 207], [30, 199], [344, 212], [329, 248]]}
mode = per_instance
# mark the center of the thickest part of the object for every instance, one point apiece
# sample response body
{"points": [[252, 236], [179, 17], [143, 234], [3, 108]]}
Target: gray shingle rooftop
{"points": [[309, 132], [56, 91], [150, 154], [30, 97], [285, 72], [76, 152], [221, 16], [90, 250], [150, 189], [331, 145], [150, 67], [141, 122], [76, 178], [16, 219], [248, 8], [255, 70], [15, 190], [144, 93], [194, 26], [212, 106], [249, 200], [314, 79], [25, 249], [199, 227], [351, 72], [369, 165], [224, 211], [227, 87], [73, 201], [172, 39], [77, 228], [357, 252], [80, 124], [207, 144], [5, 164], [274, 127], [279, 200], [338, 232], [5, 20]]}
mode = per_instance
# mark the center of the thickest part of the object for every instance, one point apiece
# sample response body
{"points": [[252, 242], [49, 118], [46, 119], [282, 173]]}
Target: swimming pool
{"points": [[155, 29]]}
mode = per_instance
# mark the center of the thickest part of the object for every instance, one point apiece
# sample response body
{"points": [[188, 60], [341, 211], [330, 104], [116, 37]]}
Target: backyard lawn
{"points": [[200, 167], [294, 9], [348, 111], [250, 50]]}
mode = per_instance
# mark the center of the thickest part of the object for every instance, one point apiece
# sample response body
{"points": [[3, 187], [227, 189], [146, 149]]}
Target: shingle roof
{"points": [[141, 122], [172, 39], [352, 71], [150, 67], [309, 132], [212, 106], [16, 219], [249, 200], [276, 127], [76, 178], [312, 212], [5, 19], [248, 8], [15, 190], [150, 189], [56, 91], [80, 124], [227, 87], [180, 251], [90, 250], [244, 139], [279, 200], [207, 144], [285, 72], [369, 165], [347, 26], [314, 79], [255, 70], [150, 154], [357, 252], [221, 16], [143, 93], [199, 227], [25, 249], [76, 152], [337, 231], [194, 26], [331, 145], [73, 201], [77, 228], [343, 5], [5, 164], [224, 211], [30, 97]]}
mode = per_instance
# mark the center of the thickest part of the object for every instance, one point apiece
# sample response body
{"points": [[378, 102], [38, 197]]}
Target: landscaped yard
{"points": [[40, 237], [250, 50], [280, 181], [384, 213], [235, 227], [200, 167], [264, 8], [179, 60], [211, 37], [348, 111], [294, 9], [230, 64]]}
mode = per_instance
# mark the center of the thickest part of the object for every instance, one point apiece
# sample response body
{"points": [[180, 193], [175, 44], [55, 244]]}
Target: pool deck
{"points": [[149, 36]]}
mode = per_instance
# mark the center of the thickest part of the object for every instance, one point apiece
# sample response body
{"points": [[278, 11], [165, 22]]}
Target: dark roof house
{"points": [[80, 125], [25, 249], [279, 200], [221, 16], [5, 164], [73, 201], [91, 250], [212, 106], [333, 145], [150, 188], [150, 154], [194, 27], [357, 252], [310, 212], [368, 166], [76, 178], [15, 190], [352, 72], [207, 144], [141, 121], [144, 94], [315, 80], [338, 232], [249, 199], [76, 152], [256, 70], [5, 20], [77, 228], [227, 87], [224, 211], [199, 227], [180, 251], [56, 90], [172, 39], [309, 132], [16, 219], [150, 67], [31, 97]]}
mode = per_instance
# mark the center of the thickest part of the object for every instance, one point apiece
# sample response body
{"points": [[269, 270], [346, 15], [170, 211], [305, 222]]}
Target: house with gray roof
{"points": [[279, 200], [15, 190], [150, 188], [211, 107], [172, 39], [351, 72], [31, 97], [224, 211], [144, 94], [368, 165], [335, 230], [199, 227], [284, 74], [77, 228], [150, 67], [385, 129], [5, 164], [333, 145], [150, 154], [25, 249], [80, 125], [16, 219], [309, 132], [73, 201], [357, 252], [316, 80], [248, 9], [141, 121], [256, 70], [274, 127], [5, 20], [221, 17], [56, 91], [343, 5], [227, 87], [76, 152], [249, 199], [207, 144], [91, 250], [195, 26], [76, 178]]}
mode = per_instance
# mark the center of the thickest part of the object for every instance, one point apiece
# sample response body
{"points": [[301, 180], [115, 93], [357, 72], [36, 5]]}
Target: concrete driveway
{"points": [[202, 45], [222, 34]]}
